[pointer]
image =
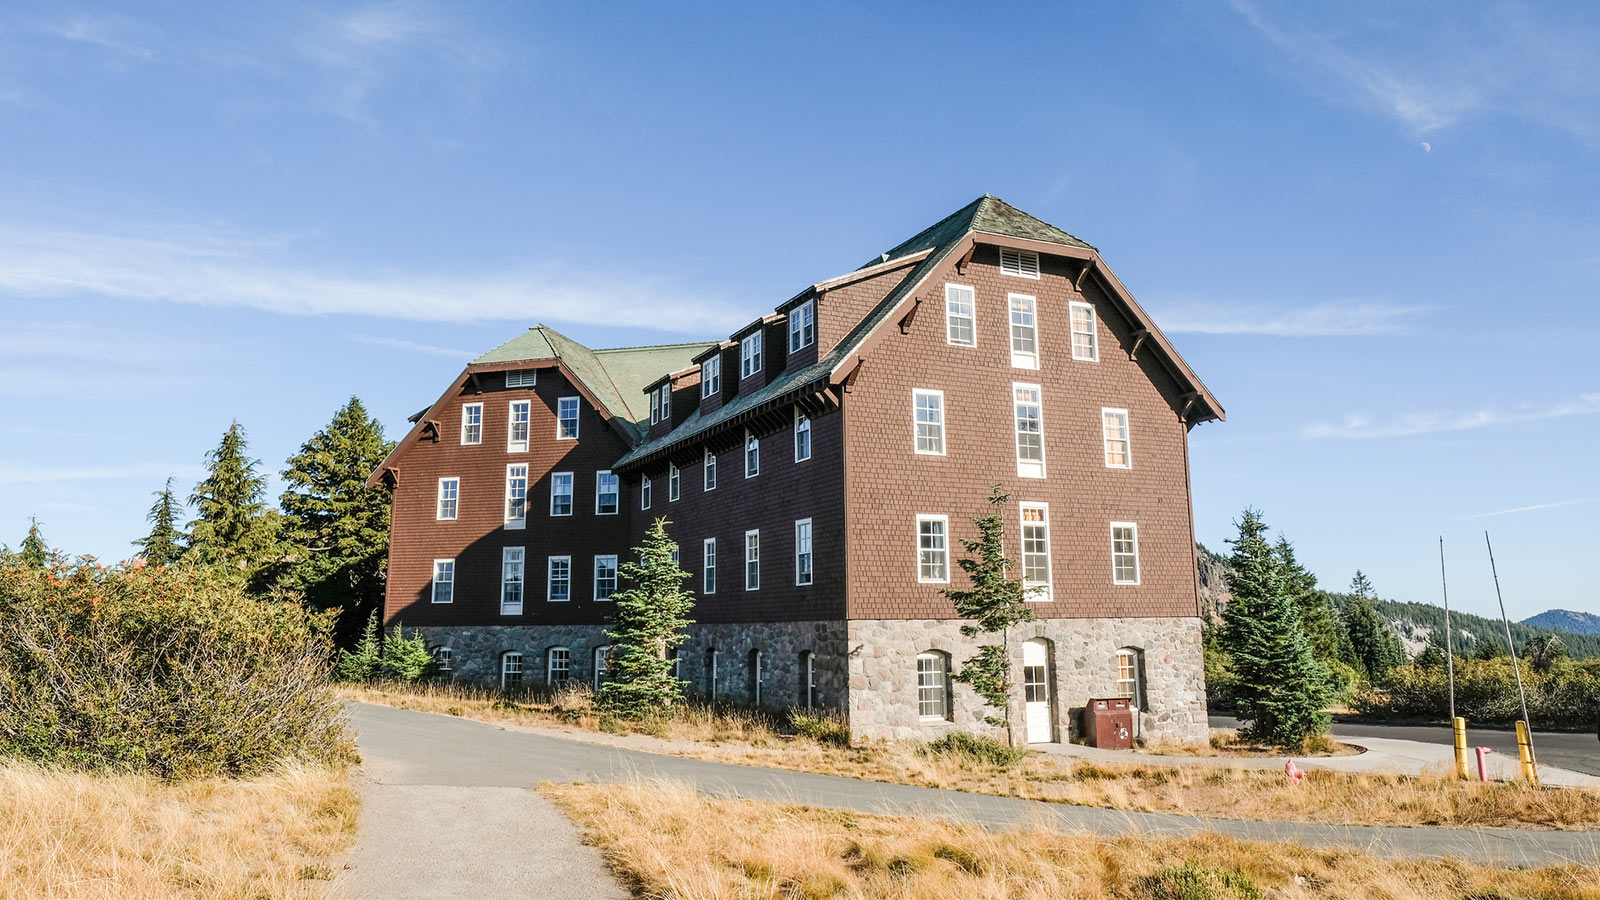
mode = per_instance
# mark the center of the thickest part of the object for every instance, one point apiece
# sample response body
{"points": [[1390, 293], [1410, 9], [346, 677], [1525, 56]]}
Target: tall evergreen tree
{"points": [[1281, 689], [648, 622], [234, 530], [1375, 646], [34, 552], [1318, 618], [165, 542], [338, 527], [995, 604]]}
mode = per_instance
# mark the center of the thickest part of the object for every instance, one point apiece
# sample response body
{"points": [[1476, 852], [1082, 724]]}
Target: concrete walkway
{"points": [[402, 747]]}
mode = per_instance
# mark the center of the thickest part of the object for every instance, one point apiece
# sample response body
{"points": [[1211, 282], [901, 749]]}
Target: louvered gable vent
{"points": [[521, 378], [1021, 263]]}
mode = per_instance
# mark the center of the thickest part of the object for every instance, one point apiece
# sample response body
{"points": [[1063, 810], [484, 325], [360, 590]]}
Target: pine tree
{"points": [[648, 622], [405, 658], [1375, 647], [1317, 616], [34, 552], [234, 529], [165, 543], [364, 662], [338, 526], [1281, 688], [995, 603]]}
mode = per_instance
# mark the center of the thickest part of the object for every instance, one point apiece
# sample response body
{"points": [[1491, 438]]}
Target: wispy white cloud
{"points": [[212, 267], [29, 472], [1536, 506], [400, 344], [1338, 319], [1360, 426], [117, 33]]}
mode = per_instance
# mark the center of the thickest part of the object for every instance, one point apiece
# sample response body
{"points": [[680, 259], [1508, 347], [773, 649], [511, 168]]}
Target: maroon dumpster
{"points": [[1108, 722]]}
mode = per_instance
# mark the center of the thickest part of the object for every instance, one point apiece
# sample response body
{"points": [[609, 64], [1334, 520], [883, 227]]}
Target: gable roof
{"points": [[989, 217]]}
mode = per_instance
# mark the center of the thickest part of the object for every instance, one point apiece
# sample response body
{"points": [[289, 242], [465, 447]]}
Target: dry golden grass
{"points": [[97, 837], [1217, 791], [669, 841]]}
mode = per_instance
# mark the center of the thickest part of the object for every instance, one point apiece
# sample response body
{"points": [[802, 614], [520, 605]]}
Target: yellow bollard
{"points": [[1525, 750], [1460, 726]]}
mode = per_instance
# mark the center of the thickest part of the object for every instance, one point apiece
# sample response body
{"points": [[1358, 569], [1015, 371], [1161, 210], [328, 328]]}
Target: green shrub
{"points": [[976, 748], [1486, 692], [169, 671], [1193, 881], [822, 727]]}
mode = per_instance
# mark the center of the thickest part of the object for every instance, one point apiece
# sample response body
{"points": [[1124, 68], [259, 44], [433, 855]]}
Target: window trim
{"points": [[655, 406], [1024, 468], [916, 424], [945, 521], [616, 577], [1136, 655], [599, 478], [708, 474], [1038, 263], [972, 295], [803, 324], [1041, 592], [505, 666], [810, 553], [512, 444], [1094, 334], [808, 678], [711, 375], [748, 559], [802, 425], [708, 566], [523, 378], [572, 489], [752, 351], [433, 595], [522, 594], [1127, 438], [478, 405], [674, 483], [645, 491], [751, 443], [522, 523], [1023, 360], [444, 659], [602, 665], [1137, 573], [550, 666], [438, 500], [550, 579], [943, 687], [577, 417]]}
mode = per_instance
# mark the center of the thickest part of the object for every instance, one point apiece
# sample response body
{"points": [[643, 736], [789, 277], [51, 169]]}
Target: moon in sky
{"points": [[1427, 147]]}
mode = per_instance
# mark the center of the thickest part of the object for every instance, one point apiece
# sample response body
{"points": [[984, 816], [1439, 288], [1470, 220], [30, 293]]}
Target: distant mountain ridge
{"points": [[1569, 620]]}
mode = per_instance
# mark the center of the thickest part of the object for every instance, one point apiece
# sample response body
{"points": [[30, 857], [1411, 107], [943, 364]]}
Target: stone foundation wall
{"points": [[883, 674]]}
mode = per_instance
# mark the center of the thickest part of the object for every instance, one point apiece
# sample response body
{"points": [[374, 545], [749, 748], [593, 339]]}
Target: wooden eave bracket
{"points": [[1138, 341], [965, 260], [430, 430], [1189, 400], [1083, 273], [910, 316]]}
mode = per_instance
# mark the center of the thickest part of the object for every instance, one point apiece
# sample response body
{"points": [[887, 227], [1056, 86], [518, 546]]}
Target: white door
{"points": [[1036, 690]]}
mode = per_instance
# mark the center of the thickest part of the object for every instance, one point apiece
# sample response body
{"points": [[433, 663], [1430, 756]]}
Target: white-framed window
{"points": [[567, 419], [522, 378], [1124, 553], [558, 666], [471, 423], [511, 580], [661, 404], [644, 491], [802, 551], [752, 455], [756, 672], [510, 670], [449, 504], [1119, 448], [517, 432], [602, 665], [960, 315], [558, 579], [672, 482], [1027, 401], [517, 495], [802, 436], [1019, 263], [1130, 675], [752, 560], [708, 567], [444, 660], [711, 375], [560, 493], [605, 576], [933, 686], [607, 491], [750, 354], [444, 581], [711, 673], [1024, 331], [808, 679], [928, 411], [1036, 551], [802, 325], [1085, 343], [655, 406], [710, 470], [933, 549]]}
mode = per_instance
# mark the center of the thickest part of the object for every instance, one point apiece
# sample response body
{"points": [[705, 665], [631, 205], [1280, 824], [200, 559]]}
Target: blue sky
{"points": [[1371, 230]]}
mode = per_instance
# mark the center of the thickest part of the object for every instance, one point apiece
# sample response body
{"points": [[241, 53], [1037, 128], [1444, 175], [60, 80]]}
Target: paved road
{"points": [[1578, 751], [419, 748]]}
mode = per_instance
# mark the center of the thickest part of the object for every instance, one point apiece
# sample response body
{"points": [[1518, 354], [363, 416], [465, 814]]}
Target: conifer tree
{"points": [[34, 552], [234, 530], [648, 622], [165, 543], [1281, 688], [362, 663], [405, 658], [338, 527], [995, 604], [1318, 618], [1375, 647]]}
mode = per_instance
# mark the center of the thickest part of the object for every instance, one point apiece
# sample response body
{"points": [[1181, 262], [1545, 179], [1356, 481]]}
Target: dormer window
{"points": [[750, 354], [655, 407], [1019, 263], [521, 378], [711, 376], [802, 326]]}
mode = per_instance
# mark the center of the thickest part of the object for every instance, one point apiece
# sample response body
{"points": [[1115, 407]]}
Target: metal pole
{"points": [[1515, 668], [1449, 641]]}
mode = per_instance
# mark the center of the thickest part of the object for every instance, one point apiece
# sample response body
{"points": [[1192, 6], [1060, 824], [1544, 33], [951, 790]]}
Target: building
{"points": [[820, 467]]}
